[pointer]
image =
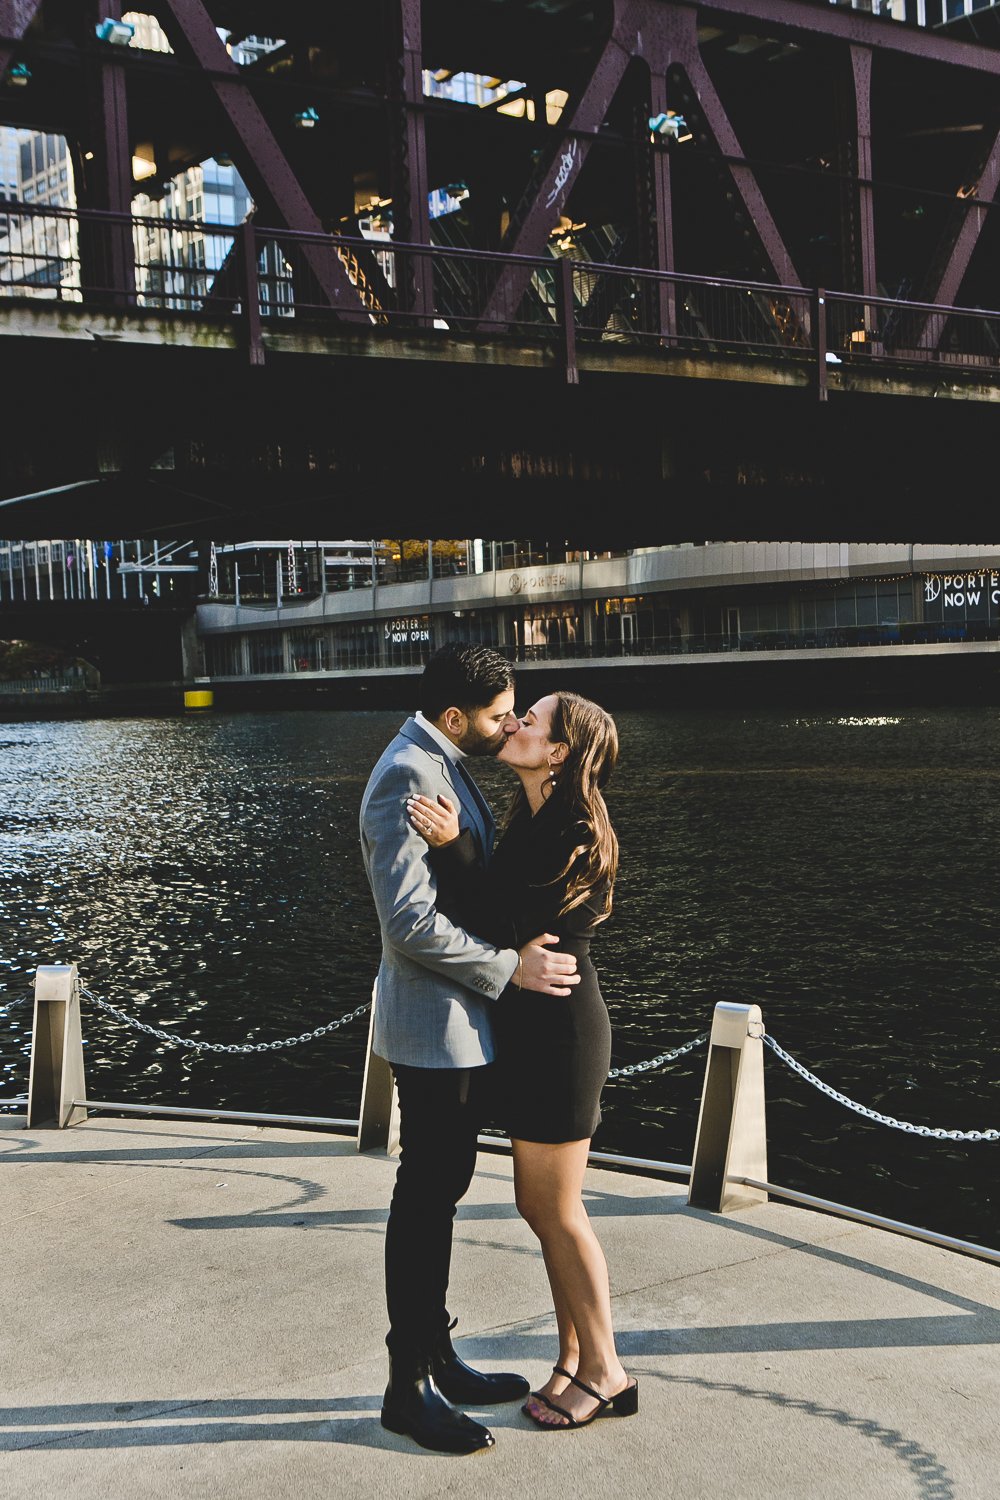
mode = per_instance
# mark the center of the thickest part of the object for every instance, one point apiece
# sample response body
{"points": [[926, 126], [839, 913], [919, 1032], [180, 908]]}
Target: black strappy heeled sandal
{"points": [[545, 1400], [624, 1404]]}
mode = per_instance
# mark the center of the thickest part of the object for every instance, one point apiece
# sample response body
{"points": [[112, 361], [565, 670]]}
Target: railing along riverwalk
{"points": [[728, 1170], [262, 279]]}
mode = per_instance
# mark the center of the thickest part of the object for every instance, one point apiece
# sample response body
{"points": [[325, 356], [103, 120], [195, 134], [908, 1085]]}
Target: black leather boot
{"points": [[414, 1406], [458, 1382]]}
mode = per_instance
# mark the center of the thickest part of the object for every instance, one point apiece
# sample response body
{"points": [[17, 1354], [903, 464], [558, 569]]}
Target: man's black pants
{"points": [[441, 1112]]}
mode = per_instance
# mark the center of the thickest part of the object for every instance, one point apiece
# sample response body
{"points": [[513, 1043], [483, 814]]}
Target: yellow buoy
{"points": [[198, 698]]}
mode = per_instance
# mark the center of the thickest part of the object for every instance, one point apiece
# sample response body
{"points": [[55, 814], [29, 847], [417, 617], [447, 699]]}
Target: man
{"points": [[433, 993]]}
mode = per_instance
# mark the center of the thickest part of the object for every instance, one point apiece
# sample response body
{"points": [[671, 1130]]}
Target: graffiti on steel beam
{"points": [[566, 164]]}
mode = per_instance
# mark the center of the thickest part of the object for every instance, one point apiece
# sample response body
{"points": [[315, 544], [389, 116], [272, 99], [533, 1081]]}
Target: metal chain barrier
{"points": [[873, 1114], [308, 1036], [658, 1062], [628, 1071], [184, 1041]]}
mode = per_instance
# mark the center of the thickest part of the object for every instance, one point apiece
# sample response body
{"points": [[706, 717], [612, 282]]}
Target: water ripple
{"points": [[839, 870]]}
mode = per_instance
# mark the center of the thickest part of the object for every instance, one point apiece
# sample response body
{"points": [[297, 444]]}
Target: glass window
{"points": [[478, 627], [306, 649], [224, 655], [847, 610], [450, 558], [401, 561], [888, 602], [355, 645], [551, 629], [267, 652], [904, 595], [867, 604]]}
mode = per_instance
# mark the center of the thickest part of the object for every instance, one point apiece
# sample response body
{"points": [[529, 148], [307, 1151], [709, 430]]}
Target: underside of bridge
{"points": [[311, 447], [818, 146]]}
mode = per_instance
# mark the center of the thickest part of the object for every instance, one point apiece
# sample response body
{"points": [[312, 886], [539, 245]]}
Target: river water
{"points": [[838, 869]]}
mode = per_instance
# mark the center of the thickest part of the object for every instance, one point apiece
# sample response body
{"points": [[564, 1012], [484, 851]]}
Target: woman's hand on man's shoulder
{"points": [[436, 821]]}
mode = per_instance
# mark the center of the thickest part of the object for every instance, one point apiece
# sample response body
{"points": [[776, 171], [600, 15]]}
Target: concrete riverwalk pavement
{"points": [[195, 1310]]}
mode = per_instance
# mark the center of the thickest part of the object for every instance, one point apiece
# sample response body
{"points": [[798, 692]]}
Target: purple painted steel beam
{"points": [[840, 23], [663, 35], [417, 186], [15, 18], [664, 211], [685, 39], [109, 182], [976, 209], [260, 159], [569, 152], [861, 67]]}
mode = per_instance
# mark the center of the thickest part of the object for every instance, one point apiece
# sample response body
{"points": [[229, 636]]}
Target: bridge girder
{"points": [[760, 77], [817, 135]]}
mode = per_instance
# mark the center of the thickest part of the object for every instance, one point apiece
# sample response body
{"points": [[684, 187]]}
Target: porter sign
{"points": [[408, 631], [963, 596], [534, 580]]}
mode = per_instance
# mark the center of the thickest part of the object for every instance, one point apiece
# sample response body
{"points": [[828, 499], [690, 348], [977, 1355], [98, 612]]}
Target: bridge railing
{"points": [[862, 328], [262, 277]]}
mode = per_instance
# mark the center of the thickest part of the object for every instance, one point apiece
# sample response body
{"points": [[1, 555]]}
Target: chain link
{"points": [[872, 1114], [184, 1041], [13, 1004], [657, 1062]]}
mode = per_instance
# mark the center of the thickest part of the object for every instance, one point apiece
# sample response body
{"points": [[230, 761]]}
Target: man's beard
{"points": [[477, 744]]}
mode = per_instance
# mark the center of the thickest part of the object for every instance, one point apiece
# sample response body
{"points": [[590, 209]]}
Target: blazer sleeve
{"points": [[405, 888]]}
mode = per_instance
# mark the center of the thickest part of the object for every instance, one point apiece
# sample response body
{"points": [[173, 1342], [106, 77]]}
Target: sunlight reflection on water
{"points": [[205, 875]]}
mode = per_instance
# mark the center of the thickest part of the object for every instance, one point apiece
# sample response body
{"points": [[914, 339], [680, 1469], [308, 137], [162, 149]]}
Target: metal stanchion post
{"points": [[731, 1139], [378, 1127], [56, 1075]]}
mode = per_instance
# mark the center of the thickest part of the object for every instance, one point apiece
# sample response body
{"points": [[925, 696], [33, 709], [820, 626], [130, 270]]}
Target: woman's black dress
{"points": [[552, 1052]]}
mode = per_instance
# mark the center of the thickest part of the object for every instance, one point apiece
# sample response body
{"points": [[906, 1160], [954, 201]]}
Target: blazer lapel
{"points": [[476, 808], [483, 815]]}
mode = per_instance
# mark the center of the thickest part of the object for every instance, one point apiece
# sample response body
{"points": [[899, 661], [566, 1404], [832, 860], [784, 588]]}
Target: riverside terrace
{"points": [[216, 1350]]}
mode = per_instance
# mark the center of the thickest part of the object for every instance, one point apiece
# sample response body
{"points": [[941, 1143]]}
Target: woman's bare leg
{"points": [[569, 1344], [548, 1187]]}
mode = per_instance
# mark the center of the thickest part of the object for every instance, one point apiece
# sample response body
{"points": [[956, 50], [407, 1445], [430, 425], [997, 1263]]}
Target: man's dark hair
{"points": [[463, 676]]}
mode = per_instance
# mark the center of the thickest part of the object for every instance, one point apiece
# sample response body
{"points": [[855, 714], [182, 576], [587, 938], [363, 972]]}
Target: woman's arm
{"points": [[455, 860]]}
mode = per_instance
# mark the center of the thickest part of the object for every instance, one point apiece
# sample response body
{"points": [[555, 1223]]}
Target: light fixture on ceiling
{"points": [[668, 125], [305, 119], [143, 164], [18, 75], [118, 33]]}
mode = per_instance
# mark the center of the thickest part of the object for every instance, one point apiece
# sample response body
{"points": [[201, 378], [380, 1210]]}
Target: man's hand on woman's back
{"points": [[542, 970]]}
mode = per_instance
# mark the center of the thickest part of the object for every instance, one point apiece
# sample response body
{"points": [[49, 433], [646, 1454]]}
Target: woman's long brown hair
{"points": [[592, 737]]}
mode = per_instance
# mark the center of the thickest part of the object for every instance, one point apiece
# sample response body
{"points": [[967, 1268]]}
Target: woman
{"points": [[552, 873]]}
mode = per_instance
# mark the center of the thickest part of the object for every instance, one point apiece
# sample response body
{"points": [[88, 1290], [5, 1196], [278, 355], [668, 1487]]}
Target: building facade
{"points": [[545, 603]]}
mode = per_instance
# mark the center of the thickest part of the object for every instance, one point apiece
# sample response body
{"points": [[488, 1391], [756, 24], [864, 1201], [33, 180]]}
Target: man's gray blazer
{"points": [[436, 982]]}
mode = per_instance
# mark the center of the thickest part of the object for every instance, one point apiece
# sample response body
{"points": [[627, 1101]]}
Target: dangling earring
{"points": [[552, 779]]}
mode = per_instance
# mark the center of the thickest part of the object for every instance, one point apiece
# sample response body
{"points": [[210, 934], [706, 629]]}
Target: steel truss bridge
{"points": [[778, 316]]}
